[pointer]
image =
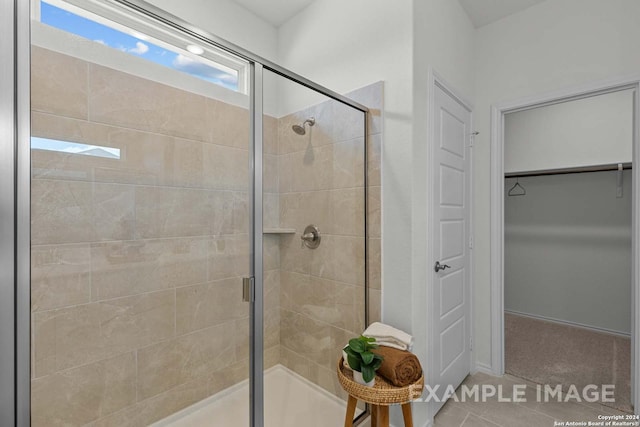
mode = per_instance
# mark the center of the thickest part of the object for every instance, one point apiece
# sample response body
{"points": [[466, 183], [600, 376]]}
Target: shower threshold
{"points": [[289, 401]]}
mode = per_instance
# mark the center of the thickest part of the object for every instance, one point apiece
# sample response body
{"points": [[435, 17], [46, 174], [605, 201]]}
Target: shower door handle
{"points": [[439, 267], [247, 289]]}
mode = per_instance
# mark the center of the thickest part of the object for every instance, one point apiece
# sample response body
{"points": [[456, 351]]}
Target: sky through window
{"points": [[74, 148], [138, 46]]}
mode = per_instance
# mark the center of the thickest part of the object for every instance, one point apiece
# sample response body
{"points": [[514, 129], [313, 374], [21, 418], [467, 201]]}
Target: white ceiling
{"points": [[483, 12], [276, 12]]}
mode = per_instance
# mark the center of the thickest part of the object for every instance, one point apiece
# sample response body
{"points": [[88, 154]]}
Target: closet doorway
{"points": [[564, 241]]}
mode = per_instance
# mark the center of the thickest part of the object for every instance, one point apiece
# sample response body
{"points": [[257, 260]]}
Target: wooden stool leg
{"points": [[374, 415], [406, 414], [351, 410], [383, 416]]}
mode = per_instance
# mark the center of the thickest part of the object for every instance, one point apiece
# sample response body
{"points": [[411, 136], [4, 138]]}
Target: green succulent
{"points": [[361, 358]]}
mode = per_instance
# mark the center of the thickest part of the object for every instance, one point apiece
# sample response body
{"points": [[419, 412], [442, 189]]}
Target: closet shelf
{"points": [[579, 169], [279, 231]]}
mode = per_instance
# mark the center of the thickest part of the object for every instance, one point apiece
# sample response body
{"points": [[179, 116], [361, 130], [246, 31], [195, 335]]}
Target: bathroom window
{"points": [[110, 25], [74, 148]]}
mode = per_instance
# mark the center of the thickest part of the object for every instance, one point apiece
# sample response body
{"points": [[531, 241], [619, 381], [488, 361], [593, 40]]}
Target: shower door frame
{"points": [[15, 203]]}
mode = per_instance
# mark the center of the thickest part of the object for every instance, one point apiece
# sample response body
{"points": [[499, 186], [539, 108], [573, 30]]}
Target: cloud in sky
{"points": [[140, 49], [135, 44], [191, 66]]}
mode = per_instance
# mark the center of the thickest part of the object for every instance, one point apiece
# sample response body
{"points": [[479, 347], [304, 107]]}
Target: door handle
{"points": [[439, 267], [247, 289]]}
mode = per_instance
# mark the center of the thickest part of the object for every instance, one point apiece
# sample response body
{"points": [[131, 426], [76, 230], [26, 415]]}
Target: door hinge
{"points": [[470, 343], [470, 242], [248, 289]]}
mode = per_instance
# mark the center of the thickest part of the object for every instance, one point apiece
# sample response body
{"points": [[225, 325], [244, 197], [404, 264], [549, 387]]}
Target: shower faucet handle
{"points": [[311, 237], [308, 237]]}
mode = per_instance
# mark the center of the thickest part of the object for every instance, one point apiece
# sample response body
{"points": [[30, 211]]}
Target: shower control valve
{"points": [[311, 237]]}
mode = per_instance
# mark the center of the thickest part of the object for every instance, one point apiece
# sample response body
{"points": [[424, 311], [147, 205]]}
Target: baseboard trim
{"points": [[484, 368], [569, 323]]}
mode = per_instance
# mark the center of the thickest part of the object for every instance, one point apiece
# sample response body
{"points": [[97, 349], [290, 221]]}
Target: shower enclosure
{"points": [[163, 190]]}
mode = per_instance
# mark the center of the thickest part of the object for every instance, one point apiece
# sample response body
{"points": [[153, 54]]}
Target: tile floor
{"points": [[527, 414], [291, 401]]}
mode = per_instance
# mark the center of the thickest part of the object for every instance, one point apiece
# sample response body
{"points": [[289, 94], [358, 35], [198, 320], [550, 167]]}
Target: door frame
{"points": [[15, 201], [435, 80], [498, 112]]}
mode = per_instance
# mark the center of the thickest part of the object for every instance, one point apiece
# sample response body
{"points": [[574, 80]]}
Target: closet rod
{"points": [[581, 169]]}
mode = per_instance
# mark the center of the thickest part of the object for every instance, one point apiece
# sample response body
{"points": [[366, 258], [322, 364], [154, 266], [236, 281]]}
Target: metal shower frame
{"points": [[15, 202]]}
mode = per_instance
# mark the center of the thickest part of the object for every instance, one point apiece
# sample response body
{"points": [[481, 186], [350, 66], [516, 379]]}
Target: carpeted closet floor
{"points": [[551, 353]]}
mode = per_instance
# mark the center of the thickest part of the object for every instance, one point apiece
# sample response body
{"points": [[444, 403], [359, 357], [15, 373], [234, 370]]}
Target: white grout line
{"points": [[465, 419], [489, 421]]}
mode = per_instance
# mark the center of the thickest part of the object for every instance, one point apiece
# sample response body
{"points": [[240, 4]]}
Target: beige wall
{"points": [[136, 262], [137, 308], [369, 41], [321, 182]]}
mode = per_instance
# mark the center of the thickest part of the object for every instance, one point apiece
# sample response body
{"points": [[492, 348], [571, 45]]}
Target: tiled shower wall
{"points": [[136, 262], [321, 182], [136, 296]]}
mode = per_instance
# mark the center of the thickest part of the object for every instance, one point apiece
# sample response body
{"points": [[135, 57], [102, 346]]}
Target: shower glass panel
{"points": [[140, 223], [314, 175]]}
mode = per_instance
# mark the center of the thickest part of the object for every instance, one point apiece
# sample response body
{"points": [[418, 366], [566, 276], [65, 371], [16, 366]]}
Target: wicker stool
{"points": [[380, 396]]}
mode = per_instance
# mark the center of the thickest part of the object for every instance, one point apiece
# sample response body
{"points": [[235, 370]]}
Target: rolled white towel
{"points": [[389, 336]]}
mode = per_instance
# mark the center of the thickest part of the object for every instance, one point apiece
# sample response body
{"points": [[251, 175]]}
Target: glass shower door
{"points": [[314, 250], [140, 227]]}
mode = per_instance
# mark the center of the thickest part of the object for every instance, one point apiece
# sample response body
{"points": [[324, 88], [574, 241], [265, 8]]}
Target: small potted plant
{"points": [[362, 360]]}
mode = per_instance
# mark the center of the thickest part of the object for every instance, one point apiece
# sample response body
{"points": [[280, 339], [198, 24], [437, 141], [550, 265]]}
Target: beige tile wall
{"points": [[136, 262], [321, 182]]}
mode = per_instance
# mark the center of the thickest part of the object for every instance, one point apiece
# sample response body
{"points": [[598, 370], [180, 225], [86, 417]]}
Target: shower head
{"points": [[300, 129]]}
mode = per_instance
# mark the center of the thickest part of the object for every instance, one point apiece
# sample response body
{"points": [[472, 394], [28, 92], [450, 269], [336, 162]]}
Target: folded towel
{"points": [[389, 336], [392, 345], [400, 367]]}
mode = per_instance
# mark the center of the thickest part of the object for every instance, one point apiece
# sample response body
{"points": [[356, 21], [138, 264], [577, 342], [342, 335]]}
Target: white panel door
{"points": [[451, 314]]}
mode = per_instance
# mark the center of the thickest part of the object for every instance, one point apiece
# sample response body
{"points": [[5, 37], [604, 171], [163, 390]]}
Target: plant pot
{"points": [[344, 357], [357, 377]]}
